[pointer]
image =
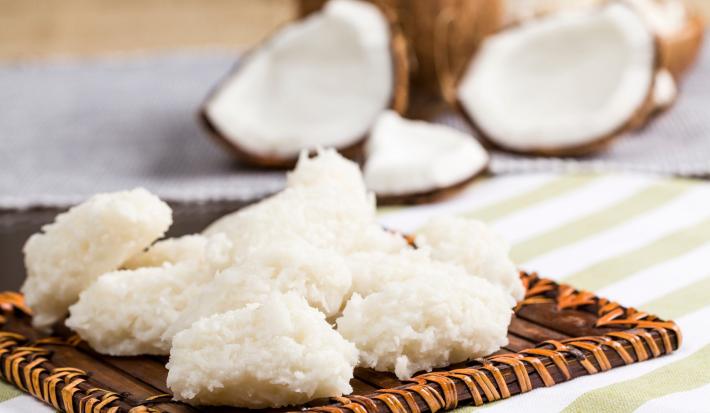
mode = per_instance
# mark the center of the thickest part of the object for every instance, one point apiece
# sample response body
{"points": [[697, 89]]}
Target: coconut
{"points": [[679, 29], [665, 91], [564, 84], [442, 35], [412, 161], [317, 82], [680, 50]]}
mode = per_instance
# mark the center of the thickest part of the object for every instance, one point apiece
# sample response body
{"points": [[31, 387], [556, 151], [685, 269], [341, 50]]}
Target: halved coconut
{"points": [[414, 161], [564, 84], [318, 82], [678, 26]]}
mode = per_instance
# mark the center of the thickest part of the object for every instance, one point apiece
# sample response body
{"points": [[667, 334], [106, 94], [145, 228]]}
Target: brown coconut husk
{"points": [[680, 50], [399, 102], [442, 35]]}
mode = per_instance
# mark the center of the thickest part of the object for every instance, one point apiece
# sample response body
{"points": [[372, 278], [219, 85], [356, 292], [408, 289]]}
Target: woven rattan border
{"points": [[629, 336]]}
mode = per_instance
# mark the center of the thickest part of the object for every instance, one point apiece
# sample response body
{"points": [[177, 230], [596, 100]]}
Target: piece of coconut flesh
{"points": [[563, 82], [320, 82], [406, 157], [665, 90]]}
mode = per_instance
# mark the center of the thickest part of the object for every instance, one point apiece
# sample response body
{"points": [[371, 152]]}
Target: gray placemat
{"points": [[69, 129], [72, 128]]}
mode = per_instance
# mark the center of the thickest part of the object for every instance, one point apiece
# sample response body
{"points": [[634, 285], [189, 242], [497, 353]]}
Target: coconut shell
{"points": [[399, 102], [638, 119], [680, 50], [442, 35]]}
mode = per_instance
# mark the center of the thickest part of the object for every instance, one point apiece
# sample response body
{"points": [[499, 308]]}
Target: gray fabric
{"points": [[69, 129]]}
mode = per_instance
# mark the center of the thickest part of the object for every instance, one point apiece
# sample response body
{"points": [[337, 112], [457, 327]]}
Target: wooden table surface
{"points": [[31, 29]]}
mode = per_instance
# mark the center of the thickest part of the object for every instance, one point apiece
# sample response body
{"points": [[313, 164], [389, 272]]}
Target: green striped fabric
{"points": [[680, 198], [686, 374], [8, 391], [586, 226], [613, 246]]}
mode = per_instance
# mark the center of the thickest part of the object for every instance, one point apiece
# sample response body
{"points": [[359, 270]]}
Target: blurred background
{"points": [[99, 95], [41, 29]]}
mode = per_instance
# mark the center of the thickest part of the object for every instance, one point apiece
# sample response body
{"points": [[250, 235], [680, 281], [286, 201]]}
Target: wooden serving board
{"points": [[557, 334]]}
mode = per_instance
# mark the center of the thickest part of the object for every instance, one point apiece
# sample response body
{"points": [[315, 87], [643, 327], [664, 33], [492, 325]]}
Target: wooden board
{"points": [[557, 334]]}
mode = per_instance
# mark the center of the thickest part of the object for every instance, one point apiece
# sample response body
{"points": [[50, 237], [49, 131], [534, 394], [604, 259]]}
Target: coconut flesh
{"points": [[665, 91], [406, 158], [678, 28], [562, 84], [319, 82]]}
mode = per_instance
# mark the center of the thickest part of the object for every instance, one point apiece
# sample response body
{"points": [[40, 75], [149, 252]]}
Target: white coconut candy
{"points": [[171, 250], [319, 275], [427, 322], [476, 247], [90, 239], [126, 312], [406, 157], [317, 82], [374, 270], [329, 169], [325, 204], [562, 84], [277, 353]]}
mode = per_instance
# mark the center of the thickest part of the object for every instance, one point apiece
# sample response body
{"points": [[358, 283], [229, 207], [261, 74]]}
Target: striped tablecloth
{"points": [[642, 241]]}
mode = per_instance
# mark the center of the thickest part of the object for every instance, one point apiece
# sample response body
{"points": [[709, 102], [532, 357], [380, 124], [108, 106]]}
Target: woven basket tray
{"points": [[557, 334]]}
